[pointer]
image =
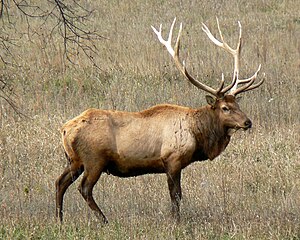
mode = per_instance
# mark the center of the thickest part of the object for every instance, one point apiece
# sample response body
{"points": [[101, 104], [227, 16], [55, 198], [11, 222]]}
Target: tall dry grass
{"points": [[250, 192]]}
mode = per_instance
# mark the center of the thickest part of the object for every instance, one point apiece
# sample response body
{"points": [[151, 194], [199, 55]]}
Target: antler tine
{"points": [[236, 56], [222, 83], [166, 43], [247, 80], [249, 85], [222, 44], [234, 52], [175, 55], [255, 85]]}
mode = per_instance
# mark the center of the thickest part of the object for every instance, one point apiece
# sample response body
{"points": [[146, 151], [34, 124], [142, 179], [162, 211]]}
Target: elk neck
{"points": [[210, 134]]}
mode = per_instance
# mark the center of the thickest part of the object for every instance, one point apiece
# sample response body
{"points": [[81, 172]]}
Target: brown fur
{"points": [[161, 139]]}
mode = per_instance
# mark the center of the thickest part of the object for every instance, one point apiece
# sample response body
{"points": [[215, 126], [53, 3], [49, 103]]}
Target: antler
{"points": [[181, 66], [233, 87]]}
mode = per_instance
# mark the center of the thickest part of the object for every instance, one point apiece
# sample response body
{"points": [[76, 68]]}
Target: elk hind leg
{"points": [[70, 174], [90, 178]]}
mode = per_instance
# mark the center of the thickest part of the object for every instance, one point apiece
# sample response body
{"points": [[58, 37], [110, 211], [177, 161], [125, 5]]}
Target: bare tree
{"points": [[67, 18]]}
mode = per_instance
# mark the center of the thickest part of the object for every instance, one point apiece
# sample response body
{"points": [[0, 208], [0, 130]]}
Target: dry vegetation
{"points": [[252, 191]]}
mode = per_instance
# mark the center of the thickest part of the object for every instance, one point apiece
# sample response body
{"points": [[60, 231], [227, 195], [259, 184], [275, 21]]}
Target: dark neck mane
{"points": [[212, 138]]}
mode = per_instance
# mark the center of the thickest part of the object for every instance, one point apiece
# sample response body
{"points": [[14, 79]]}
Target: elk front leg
{"points": [[175, 192]]}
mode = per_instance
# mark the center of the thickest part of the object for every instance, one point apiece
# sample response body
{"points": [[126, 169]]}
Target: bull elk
{"points": [[162, 139]]}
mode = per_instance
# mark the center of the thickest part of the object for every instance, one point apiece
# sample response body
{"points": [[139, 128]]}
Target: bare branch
{"points": [[68, 19], [7, 94]]}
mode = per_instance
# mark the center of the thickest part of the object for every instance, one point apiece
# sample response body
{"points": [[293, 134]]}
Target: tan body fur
{"points": [[134, 143]]}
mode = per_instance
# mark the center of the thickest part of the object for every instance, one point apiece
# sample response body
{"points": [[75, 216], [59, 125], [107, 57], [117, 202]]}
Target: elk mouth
{"points": [[247, 125], [246, 128]]}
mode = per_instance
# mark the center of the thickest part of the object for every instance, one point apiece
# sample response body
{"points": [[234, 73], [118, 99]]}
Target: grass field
{"points": [[251, 191]]}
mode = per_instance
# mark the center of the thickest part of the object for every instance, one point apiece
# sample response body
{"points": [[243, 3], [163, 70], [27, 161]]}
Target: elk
{"points": [[162, 139]]}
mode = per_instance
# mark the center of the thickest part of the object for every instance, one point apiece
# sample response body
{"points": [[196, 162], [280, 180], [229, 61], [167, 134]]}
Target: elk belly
{"points": [[126, 167]]}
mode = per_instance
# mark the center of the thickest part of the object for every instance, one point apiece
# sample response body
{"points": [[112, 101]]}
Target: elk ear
{"points": [[210, 100]]}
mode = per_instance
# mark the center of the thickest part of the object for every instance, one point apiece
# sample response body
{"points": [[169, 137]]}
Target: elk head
{"points": [[223, 100]]}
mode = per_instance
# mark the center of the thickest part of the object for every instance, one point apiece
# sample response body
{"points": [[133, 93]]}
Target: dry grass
{"points": [[250, 192]]}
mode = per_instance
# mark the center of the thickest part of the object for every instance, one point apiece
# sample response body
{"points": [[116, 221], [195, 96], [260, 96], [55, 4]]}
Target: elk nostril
{"points": [[248, 123]]}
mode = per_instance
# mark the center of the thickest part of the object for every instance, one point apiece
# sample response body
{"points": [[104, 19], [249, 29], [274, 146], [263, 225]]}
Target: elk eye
{"points": [[225, 109]]}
